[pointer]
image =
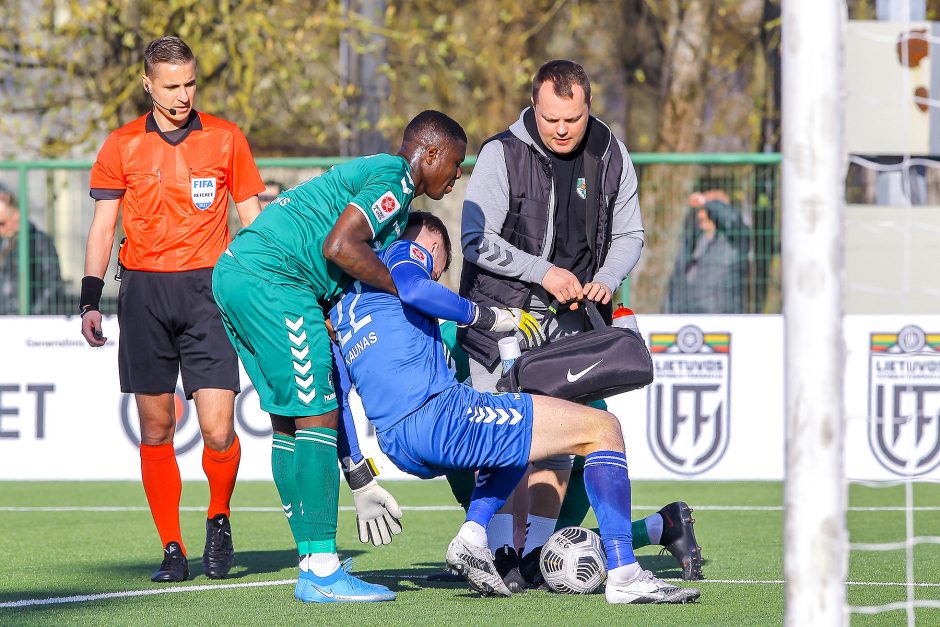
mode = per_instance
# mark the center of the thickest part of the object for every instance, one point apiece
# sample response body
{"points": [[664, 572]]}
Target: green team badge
{"points": [[582, 188]]}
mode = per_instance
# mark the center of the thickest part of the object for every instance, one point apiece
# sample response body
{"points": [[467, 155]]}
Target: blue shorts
{"points": [[461, 428]]}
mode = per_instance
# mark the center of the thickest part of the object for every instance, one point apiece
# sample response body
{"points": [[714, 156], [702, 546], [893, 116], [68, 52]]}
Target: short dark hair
{"points": [[425, 219], [168, 49], [431, 126], [7, 196], [562, 74]]}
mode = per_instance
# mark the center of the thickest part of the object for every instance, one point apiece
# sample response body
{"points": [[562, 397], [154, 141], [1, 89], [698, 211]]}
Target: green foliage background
{"points": [[666, 73]]}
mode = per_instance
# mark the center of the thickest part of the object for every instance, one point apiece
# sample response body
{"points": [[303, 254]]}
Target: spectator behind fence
{"points": [[45, 279], [711, 266]]}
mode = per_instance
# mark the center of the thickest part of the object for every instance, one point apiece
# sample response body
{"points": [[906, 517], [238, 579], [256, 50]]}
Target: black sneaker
{"points": [[174, 568], [219, 554], [531, 571], [507, 565], [679, 539]]}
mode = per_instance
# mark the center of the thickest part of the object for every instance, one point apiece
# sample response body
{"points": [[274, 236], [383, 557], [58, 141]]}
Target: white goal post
{"points": [[813, 175]]}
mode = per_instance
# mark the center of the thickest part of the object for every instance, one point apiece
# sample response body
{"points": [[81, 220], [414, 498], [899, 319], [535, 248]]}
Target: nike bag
{"points": [[587, 366]]}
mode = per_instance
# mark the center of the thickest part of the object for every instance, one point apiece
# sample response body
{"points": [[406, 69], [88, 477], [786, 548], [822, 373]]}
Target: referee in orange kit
{"points": [[173, 170]]}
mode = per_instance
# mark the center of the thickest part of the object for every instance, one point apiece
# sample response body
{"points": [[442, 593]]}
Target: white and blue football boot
{"points": [[340, 586]]}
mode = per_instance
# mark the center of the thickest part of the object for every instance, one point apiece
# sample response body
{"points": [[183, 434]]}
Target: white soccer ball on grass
{"points": [[573, 561]]}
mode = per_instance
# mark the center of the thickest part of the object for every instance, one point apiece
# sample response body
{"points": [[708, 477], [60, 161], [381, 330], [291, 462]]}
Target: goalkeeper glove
{"points": [[507, 319], [377, 512]]}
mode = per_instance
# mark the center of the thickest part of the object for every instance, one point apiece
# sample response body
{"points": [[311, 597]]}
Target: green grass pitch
{"points": [[49, 554]]}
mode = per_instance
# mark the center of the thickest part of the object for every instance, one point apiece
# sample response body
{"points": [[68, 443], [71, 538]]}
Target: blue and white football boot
{"points": [[340, 586]]}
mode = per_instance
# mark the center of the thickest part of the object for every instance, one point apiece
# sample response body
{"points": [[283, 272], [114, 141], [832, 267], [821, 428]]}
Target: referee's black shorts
{"points": [[170, 324]]}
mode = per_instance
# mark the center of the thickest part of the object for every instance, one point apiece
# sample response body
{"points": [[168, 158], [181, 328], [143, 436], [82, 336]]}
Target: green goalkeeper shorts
{"points": [[280, 335]]}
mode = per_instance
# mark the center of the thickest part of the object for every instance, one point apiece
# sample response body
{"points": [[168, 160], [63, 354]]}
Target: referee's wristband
{"points": [[90, 299]]}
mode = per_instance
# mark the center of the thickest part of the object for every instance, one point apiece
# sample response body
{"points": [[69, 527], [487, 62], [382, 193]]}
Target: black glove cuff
{"points": [[91, 294], [485, 318], [360, 476]]}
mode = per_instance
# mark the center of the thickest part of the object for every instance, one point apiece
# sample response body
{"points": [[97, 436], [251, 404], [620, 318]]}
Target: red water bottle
{"points": [[624, 318]]}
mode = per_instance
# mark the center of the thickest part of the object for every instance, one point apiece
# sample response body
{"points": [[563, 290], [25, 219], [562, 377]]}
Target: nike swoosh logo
{"points": [[325, 593], [574, 377]]}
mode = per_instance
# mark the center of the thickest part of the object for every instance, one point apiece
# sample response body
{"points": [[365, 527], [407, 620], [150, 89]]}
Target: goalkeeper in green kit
{"points": [[274, 283]]}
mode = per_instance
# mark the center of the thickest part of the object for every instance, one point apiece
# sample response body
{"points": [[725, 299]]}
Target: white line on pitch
{"points": [[142, 593], [262, 584], [437, 508]]}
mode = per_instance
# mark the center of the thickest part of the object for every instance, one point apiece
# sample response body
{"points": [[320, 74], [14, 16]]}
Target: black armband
{"points": [[485, 318], [91, 294]]}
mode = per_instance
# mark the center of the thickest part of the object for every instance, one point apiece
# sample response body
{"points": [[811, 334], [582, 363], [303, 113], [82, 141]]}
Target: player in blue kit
{"points": [[428, 423]]}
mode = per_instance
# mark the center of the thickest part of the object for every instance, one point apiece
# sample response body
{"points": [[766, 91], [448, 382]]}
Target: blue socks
{"points": [[608, 488], [493, 487]]}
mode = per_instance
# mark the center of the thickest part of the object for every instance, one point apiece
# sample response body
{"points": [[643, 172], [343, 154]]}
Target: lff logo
{"points": [[904, 400], [688, 415]]}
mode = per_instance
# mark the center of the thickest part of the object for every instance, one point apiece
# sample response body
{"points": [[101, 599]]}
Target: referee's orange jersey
{"points": [[175, 189]]}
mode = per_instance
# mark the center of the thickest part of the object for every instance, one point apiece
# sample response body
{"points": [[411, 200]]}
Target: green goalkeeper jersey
{"points": [[285, 242]]}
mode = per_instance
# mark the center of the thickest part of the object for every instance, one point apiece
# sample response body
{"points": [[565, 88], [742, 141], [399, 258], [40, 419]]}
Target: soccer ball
{"points": [[573, 561]]}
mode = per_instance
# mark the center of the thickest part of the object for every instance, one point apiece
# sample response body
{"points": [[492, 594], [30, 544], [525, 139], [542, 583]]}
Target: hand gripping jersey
{"points": [[393, 349], [285, 243]]}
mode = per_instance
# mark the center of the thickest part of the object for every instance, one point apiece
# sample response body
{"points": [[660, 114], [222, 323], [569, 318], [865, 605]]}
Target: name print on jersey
{"points": [[364, 342]]}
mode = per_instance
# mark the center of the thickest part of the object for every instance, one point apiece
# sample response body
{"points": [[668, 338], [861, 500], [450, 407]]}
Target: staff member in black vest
{"points": [[551, 212]]}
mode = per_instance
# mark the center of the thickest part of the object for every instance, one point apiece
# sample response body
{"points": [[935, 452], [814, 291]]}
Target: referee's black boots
{"points": [[219, 554], [174, 568]]}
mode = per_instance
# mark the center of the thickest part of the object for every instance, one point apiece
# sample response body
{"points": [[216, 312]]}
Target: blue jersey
{"points": [[391, 345]]}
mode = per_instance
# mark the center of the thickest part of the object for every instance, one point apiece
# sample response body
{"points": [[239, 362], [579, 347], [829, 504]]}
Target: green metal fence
{"points": [[738, 272], [681, 269]]}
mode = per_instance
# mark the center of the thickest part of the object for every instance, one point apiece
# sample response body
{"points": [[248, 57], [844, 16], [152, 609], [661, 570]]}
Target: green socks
{"points": [[282, 467], [641, 536], [317, 478]]}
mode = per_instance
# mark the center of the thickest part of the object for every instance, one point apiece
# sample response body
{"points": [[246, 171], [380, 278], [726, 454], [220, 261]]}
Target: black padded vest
{"points": [[527, 222]]}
